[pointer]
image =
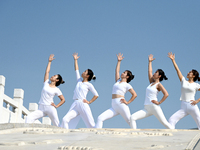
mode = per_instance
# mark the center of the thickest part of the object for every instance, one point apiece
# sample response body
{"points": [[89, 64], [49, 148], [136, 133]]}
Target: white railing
{"points": [[12, 110]]}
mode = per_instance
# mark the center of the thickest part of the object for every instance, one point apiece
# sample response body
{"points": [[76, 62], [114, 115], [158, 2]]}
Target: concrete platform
{"points": [[39, 136]]}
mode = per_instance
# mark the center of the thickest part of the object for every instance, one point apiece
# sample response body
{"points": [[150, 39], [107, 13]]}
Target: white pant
{"points": [[149, 110], [78, 109], [186, 109], [116, 109], [44, 110]]}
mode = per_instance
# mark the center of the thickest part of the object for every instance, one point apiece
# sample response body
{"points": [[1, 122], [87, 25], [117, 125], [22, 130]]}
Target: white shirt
{"points": [[121, 88], [188, 90], [48, 93], [82, 88], [151, 94]]}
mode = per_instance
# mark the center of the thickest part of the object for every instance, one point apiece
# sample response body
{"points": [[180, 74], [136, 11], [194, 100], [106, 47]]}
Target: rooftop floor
{"points": [[38, 136]]}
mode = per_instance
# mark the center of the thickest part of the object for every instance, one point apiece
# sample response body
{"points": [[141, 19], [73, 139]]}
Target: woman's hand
{"points": [[75, 55], [155, 102], [151, 58], [120, 57], [51, 58], [52, 104], [124, 101], [193, 102], [171, 56], [85, 101]]}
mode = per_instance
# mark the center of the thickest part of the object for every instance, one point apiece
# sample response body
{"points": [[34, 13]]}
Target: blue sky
{"points": [[32, 30]]}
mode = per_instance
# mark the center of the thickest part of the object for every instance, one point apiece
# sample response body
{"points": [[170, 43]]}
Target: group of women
{"points": [[80, 107]]}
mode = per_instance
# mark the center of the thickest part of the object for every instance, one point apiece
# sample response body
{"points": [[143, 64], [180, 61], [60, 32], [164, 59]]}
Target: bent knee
{"points": [[65, 120], [133, 117], [100, 119]]}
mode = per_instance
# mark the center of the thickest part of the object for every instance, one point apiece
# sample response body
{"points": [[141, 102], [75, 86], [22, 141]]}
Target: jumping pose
{"points": [[46, 104], [119, 104], [188, 91], [80, 107], [151, 104]]}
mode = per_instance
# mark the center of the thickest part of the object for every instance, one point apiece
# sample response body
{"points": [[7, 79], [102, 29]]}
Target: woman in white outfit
{"points": [[80, 107], [119, 104], [151, 104], [46, 103], [188, 91]]}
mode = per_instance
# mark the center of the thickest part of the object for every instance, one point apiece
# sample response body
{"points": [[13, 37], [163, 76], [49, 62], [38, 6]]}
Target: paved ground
{"points": [[37, 136]]}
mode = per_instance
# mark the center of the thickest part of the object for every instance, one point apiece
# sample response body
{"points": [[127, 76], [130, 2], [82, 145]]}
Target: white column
{"points": [[33, 107], [2, 87], [19, 96], [46, 120]]}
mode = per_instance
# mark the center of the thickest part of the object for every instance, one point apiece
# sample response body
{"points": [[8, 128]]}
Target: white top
{"points": [[82, 88], [121, 88], [48, 93], [151, 94], [188, 90]]}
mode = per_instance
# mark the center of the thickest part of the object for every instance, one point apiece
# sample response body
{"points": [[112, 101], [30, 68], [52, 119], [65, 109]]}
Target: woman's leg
{"points": [[53, 115], [66, 119], [35, 115], [178, 115], [138, 115], [124, 111], [194, 112], [86, 115], [104, 116], [158, 113]]}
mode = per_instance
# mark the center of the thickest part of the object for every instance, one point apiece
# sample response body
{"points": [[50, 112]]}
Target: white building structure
{"points": [[12, 110]]}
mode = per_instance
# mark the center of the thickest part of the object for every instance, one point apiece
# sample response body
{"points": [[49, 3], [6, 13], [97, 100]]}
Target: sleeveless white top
{"points": [[151, 94]]}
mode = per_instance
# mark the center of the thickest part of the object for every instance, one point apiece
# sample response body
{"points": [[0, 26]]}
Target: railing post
{"points": [[46, 120], [2, 87], [33, 107], [18, 96]]}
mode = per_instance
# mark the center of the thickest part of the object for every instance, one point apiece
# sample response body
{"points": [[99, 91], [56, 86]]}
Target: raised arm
{"points": [[172, 57], [119, 59], [76, 57], [150, 74], [46, 76]]}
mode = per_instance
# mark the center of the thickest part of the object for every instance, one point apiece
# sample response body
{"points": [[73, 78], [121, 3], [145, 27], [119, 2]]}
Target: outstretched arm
{"points": [[150, 70], [119, 59], [76, 57], [46, 76], [172, 57]]}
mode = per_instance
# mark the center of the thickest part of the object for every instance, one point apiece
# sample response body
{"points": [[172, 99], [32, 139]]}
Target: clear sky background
{"points": [[32, 30]]}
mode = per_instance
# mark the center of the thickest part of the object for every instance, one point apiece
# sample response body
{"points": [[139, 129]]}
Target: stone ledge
{"points": [[4, 126], [77, 148], [22, 143], [45, 131]]}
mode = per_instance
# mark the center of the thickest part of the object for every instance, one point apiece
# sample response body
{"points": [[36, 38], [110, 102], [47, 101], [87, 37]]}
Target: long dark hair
{"points": [[131, 76], [60, 80], [91, 75], [162, 73], [196, 74]]}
